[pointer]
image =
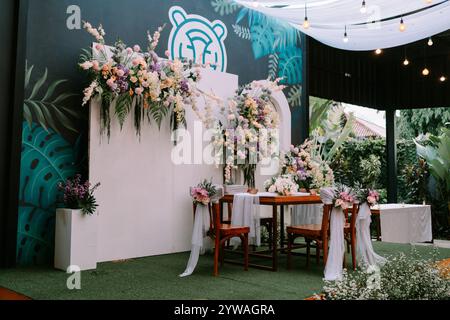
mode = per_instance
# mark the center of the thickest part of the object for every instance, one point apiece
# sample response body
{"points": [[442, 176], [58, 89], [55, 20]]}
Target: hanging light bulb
{"points": [[402, 25], [345, 39], [428, 1], [255, 4], [406, 62], [363, 7], [442, 78], [425, 72], [430, 42], [306, 21], [378, 51]]}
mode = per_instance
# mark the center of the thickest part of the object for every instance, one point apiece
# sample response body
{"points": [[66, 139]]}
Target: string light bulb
{"points": [[425, 72], [402, 25], [363, 7], [306, 21], [378, 51], [442, 78], [430, 42], [345, 39], [406, 62]]}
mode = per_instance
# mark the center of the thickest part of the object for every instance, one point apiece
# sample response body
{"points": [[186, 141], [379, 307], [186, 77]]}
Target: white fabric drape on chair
{"points": [[366, 255], [199, 241], [334, 268], [246, 213]]}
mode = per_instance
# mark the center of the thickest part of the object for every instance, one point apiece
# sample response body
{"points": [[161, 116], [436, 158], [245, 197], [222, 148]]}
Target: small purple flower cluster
{"points": [[76, 192], [122, 78]]}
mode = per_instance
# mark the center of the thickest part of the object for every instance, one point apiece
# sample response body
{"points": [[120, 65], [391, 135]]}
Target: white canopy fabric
{"points": [[377, 28]]}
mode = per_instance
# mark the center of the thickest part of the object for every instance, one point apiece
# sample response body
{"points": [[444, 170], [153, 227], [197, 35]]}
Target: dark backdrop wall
{"points": [[54, 137]]}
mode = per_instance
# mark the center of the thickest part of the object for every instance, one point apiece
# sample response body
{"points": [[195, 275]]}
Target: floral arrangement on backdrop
{"points": [[79, 195], [203, 192], [250, 130], [308, 172], [130, 77], [283, 185]]}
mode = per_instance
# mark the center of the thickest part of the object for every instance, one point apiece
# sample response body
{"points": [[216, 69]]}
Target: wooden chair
{"points": [[350, 232], [311, 232], [221, 233]]}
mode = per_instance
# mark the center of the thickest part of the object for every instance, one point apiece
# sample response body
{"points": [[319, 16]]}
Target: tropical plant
{"points": [[412, 123], [416, 177], [371, 170], [436, 151], [224, 7], [45, 107], [319, 109]]}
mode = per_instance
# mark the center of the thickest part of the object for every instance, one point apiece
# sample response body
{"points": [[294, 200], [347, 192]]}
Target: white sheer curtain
{"points": [[366, 255], [329, 17]]}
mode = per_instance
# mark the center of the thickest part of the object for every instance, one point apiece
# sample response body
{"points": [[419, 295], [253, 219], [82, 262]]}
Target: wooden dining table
{"points": [[276, 201]]}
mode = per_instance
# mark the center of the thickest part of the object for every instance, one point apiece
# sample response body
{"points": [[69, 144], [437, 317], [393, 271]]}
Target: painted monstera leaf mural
{"points": [[272, 38], [46, 160]]}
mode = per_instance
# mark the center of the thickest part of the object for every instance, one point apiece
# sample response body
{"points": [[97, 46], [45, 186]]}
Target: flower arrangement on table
{"points": [[284, 185], [308, 172], [79, 195], [251, 128], [130, 77], [203, 192]]}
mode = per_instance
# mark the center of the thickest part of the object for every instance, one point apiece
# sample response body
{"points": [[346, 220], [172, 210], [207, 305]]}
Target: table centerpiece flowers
{"points": [[309, 173], [369, 196], [251, 129], [130, 77], [283, 185]]}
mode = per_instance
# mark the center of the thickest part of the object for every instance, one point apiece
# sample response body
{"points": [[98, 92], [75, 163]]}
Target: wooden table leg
{"points": [[274, 238]]}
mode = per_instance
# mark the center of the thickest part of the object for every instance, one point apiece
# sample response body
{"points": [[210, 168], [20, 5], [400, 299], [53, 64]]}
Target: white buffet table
{"points": [[405, 223]]}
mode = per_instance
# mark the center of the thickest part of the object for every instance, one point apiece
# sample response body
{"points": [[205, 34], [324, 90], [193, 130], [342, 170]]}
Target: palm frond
{"points": [[273, 66], [242, 32], [224, 7], [295, 96]]}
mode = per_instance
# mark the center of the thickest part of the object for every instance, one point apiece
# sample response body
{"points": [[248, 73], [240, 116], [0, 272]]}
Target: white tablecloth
{"points": [[405, 223]]}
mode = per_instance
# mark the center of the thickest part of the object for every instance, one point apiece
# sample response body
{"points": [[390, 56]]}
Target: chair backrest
{"points": [[326, 218]]}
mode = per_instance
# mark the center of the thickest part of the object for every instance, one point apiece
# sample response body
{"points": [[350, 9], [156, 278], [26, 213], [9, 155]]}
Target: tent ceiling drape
{"points": [[378, 27]]}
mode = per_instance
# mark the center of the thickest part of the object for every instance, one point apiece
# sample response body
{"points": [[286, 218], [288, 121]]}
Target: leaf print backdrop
{"points": [[55, 125]]}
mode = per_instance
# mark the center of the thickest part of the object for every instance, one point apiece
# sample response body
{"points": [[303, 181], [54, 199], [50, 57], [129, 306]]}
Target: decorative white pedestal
{"points": [[75, 239]]}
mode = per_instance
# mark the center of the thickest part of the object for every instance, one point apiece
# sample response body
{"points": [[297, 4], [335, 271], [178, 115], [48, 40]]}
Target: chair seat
{"points": [[306, 229], [231, 229]]}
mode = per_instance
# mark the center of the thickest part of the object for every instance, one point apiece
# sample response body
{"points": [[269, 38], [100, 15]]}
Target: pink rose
{"points": [[129, 50], [136, 48], [371, 199], [139, 91]]}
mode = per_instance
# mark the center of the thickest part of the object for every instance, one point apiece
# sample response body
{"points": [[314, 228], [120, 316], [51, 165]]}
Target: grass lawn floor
{"points": [[157, 278]]}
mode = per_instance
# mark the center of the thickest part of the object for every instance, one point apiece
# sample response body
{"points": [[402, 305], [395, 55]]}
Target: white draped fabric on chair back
{"points": [[334, 268], [366, 255], [199, 241], [246, 213]]}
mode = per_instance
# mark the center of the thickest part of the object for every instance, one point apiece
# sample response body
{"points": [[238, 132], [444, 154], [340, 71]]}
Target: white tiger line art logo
{"points": [[195, 38]]}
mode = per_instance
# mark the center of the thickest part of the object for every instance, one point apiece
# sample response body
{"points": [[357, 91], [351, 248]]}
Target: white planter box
{"points": [[75, 239]]}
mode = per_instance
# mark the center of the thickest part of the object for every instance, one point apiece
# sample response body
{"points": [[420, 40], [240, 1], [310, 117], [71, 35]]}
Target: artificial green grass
{"points": [[157, 278]]}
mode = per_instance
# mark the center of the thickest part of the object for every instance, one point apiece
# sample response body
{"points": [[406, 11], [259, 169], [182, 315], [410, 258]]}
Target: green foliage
{"points": [[371, 170], [48, 109], [319, 111], [123, 107], [412, 123], [290, 65], [273, 66], [415, 176], [436, 151]]}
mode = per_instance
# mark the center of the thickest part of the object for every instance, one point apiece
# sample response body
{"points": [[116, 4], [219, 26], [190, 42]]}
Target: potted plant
{"points": [[76, 226]]}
